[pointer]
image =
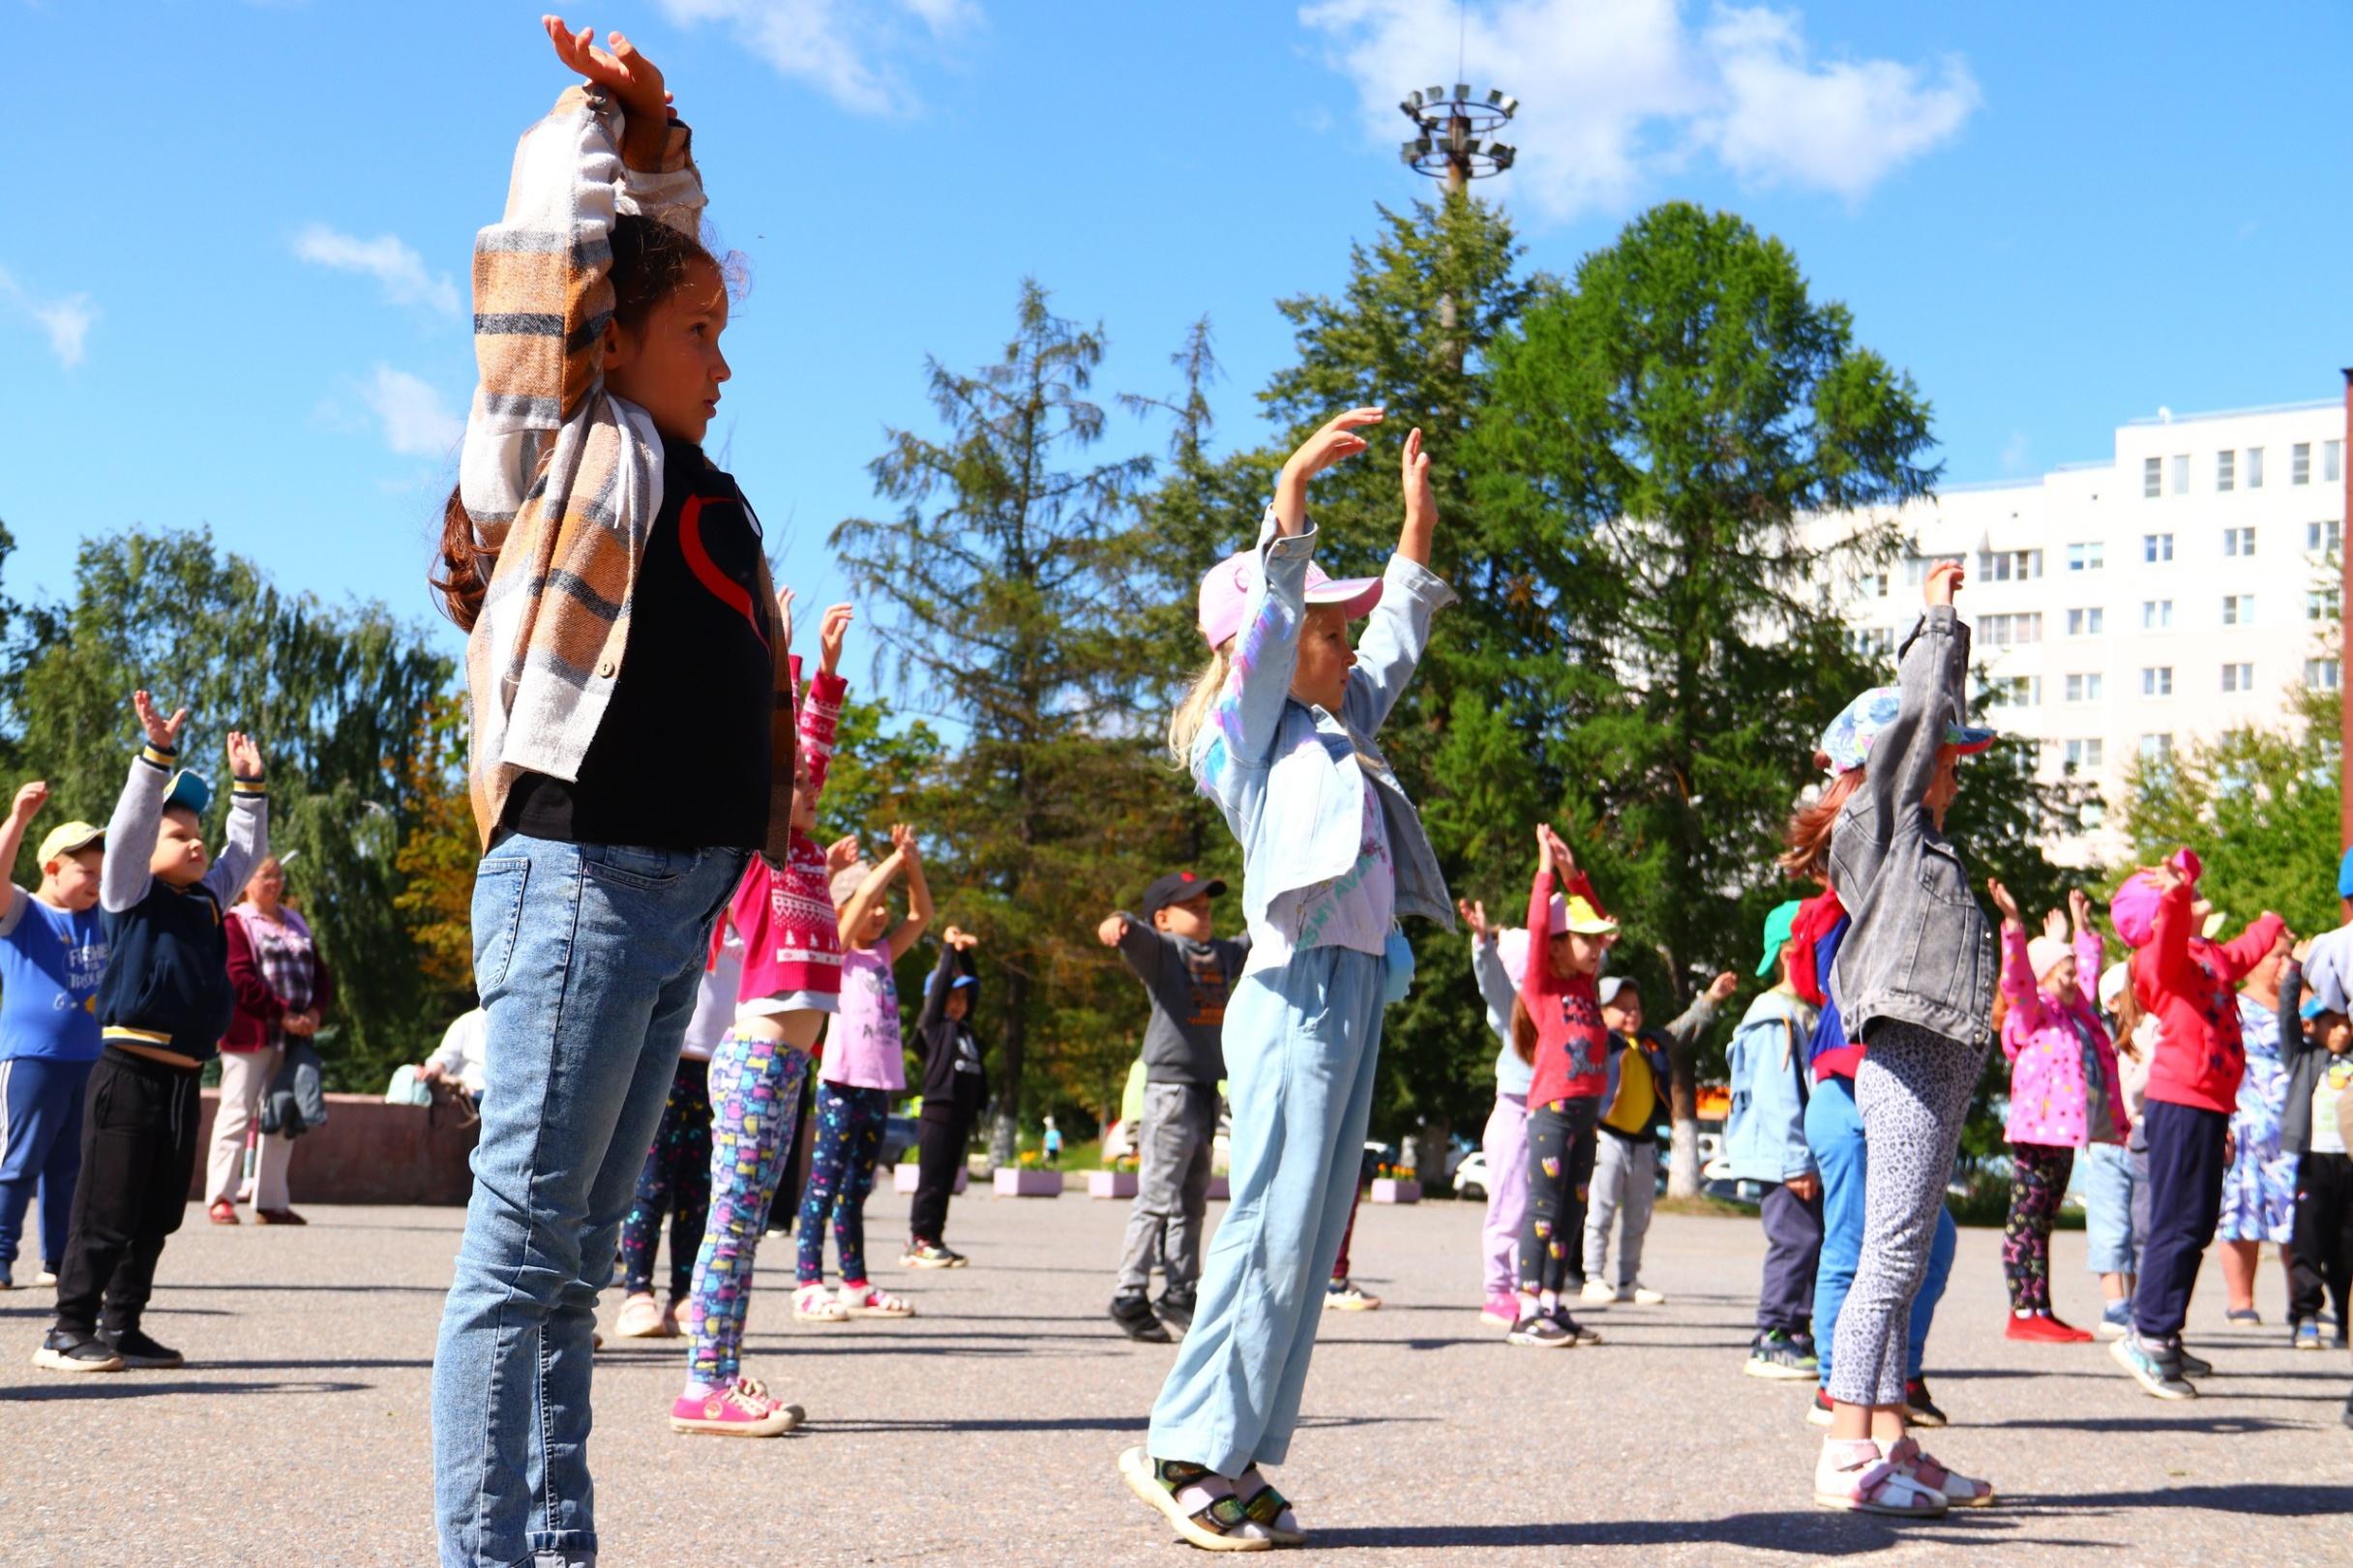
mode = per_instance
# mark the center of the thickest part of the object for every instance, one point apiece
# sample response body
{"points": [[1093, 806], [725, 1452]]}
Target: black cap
{"points": [[1176, 887]]}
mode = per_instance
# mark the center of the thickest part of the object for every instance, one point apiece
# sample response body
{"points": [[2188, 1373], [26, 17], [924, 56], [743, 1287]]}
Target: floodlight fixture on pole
{"points": [[1455, 133]]}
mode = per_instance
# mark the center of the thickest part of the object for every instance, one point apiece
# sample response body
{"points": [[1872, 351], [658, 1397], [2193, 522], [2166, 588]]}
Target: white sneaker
{"points": [[1642, 1295], [1596, 1292]]}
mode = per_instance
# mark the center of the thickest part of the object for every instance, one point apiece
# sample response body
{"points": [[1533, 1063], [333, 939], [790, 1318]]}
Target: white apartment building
{"points": [[2127, 606]]}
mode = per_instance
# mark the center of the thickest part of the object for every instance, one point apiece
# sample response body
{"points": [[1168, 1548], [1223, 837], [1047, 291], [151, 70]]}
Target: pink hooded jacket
{"points": [[2044, 1043]]}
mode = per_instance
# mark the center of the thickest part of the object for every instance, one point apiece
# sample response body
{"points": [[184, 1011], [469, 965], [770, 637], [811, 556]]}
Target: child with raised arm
{"points": [[1635, 1109], [1499, 958], [955, 1089], [52, 953], [1561, 993], [791, 983], [1765, 1143], [864, 1068], [2317, 1046], [164, 1002], [631, 747]]}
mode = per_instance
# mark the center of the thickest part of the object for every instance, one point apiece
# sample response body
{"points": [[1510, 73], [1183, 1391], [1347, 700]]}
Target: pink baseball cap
{"points": [[1227, 588]]}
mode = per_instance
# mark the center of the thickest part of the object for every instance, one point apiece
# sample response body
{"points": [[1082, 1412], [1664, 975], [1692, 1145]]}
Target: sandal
{"points": [[1959, 1490], [1868, 1482], [1268, 1509], [865, 1301], [1199, 1502], [815, 1304]]}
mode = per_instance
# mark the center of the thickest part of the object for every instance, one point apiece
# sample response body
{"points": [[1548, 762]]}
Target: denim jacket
{"points": [[1920, 950], [1290, 778], [1765, 1131]]}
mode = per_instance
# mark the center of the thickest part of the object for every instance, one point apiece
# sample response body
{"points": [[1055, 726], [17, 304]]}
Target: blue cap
{"points": [[2312, 1007], [189, 789], [2344, 876], [962, 979]]}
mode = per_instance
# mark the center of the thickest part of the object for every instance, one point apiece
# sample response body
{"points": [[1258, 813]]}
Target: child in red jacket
{"points": [[2186, 983]]}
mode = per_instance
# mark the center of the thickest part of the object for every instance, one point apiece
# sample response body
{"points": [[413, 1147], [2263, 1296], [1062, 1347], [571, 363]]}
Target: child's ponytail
{"points": [[463, 566], [1184, 726], [1808, 833], [1523, 1031]]}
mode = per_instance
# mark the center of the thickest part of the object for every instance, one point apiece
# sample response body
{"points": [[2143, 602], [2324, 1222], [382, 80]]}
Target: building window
{"points": [[2238, 543], [2014, 692], [2152, 477], [2157, 680], [2331, 461], [2300, 463], [2254, 468], [2320, 674], [2181, 473], [2238, 677], [2084, 753], [2237, 609], [2155, 748], [2089, 557], [1875, 641], [2226, 470], [2087, 623], [2322, 604], [2323, 536], [2156, 548], [2008, 565], [2155, 614], [1917, 567], [2084, 688], [2011, 631]]}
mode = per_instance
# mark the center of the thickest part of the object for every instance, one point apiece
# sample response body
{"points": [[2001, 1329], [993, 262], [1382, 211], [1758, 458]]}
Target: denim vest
{"points": [[1290, 778], [1765, 1132]]}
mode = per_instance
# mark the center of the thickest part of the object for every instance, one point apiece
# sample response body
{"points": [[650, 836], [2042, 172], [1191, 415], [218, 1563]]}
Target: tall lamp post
{"points": [[1454, 133]]}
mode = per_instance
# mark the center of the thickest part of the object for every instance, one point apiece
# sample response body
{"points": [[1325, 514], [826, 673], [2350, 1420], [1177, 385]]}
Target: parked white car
{"points": [[1471, 1176]]}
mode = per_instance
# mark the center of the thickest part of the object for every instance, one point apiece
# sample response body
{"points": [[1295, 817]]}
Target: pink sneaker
{"points": [[742, 1410], [1502, 1311]]}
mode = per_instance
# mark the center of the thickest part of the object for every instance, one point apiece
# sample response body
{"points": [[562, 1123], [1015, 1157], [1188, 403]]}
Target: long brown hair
{"points": [[1523, 1029], [1808, 833], [650, 261]]}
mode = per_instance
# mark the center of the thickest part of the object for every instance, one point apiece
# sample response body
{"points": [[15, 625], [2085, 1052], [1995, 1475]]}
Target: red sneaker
{"points": [[2069, 1333], [742, 1410], [2044, 1328]]}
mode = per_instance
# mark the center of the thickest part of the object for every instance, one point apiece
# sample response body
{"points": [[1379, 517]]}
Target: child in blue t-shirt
{"points": [[52, 950]]}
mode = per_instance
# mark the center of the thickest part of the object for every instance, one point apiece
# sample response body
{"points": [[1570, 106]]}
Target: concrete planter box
{"points": [[904, 1177], [1397, 1190], [1111, 1184], [1031, 1183], [369, 1152]]}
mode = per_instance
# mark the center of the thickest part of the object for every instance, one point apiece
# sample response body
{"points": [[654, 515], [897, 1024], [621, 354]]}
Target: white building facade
{"points": [[2126, 607]]}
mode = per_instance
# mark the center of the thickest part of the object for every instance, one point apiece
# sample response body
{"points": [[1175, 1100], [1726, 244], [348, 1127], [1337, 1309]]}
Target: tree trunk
{"points": [[1682, 1103], [1007, 1110], [1437, 1134]]}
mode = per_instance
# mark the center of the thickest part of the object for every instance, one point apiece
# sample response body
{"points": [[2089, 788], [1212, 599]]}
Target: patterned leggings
{"points": [[1560, 1174], [677, 1181], [2038, 1180], [755, 1092], [843, 1148]]}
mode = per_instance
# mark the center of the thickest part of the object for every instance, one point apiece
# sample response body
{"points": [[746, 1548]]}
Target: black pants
{"points": [[138, 1153], [1560, 1174], [1792, 1254], [2185, 1200], [945, 1130], [2322, 1261]]}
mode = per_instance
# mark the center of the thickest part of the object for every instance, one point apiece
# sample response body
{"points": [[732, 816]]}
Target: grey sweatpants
{"points": [[1172, 1188], [1625, 1180], [1912, 1092]]}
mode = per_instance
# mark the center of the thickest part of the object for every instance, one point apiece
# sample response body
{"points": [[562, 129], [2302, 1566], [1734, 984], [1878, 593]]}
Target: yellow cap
{"points": [[1588, 921], [67, 836]]}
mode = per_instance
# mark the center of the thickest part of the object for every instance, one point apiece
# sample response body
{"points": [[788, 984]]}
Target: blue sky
{"points": [[234, 290]]}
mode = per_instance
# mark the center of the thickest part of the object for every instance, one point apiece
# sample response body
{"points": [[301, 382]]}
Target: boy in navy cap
{"points": [[1189, 973]]}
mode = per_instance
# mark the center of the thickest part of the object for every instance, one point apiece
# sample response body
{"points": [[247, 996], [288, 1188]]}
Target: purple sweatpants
{"points": [[1506, 1144]]}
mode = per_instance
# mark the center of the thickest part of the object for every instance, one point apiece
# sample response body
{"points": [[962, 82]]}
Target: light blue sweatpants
{"points": [[1301, 1043]]}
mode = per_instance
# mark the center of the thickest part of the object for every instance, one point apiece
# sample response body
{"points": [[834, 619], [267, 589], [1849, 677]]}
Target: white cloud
{"points": [[1618, 94], [66, 319], [842, 49], [387, 258], [416, 422]]}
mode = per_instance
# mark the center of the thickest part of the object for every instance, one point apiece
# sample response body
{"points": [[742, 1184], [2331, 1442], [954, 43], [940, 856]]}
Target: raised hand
{"points": [[1944, 581], [244, 757], [2054, 926], [2079, 909], [1475, 916], [30, 798], [2002, 900], [631, 77], [1563, 858], [1113, 927], [1336, 442], [784, 615], [163, 734], [903, 841], [962, 940], [842, 853], [1723, 985], [1420, 504], [2166, 877], [1544, 861], [829, 634]]}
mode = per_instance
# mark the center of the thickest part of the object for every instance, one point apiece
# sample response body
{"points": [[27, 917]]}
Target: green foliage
{"points": [[336, 697]]}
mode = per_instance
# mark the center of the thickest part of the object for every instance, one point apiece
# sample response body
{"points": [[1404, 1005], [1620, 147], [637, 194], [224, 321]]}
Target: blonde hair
{"points": [[1193, 712]]}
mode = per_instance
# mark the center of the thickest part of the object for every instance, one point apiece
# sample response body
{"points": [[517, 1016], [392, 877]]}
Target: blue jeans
{"points": [[588, 958], [40, 1149], [2112, 1178], [1833, 1131], [1300, 1044]]}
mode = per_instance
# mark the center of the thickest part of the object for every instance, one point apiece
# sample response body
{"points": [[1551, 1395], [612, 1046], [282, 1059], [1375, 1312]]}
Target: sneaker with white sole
{"points": [[1595, 1293], [643, 1319], [742, 1409], [2156, 1370], [140, 1353], [1642, 1295], [1503, 1310], [1347, 1295], [1822, 1412], [1775, 1355], [2115, 1320], [1543, 1332], [63, 1351], [931, 1255]]}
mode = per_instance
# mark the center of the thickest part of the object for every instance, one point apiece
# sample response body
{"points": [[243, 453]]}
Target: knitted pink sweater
{"points": [[792, 940]]}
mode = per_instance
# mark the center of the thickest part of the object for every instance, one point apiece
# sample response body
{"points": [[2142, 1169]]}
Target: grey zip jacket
{"points": [[1919, 951]]}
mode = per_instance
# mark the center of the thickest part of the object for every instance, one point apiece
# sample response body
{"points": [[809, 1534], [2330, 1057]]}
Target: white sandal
{"points": [[1869, 1483], [1205, 1509], [873, 1303], [815, 1304], [1958, 1490]]}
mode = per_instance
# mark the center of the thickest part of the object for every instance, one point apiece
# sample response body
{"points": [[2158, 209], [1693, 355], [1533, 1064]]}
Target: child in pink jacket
{"points": [[2064, 1095]]}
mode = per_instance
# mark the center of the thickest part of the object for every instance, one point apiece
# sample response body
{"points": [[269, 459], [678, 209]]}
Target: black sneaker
{"points": [[2192, 1366], [2348, 1416], [1133, 1312], [140, 1353], [61, 1351], [1539, 1330], [1176, 1310], [1918, 1409], [1578, 1333]]}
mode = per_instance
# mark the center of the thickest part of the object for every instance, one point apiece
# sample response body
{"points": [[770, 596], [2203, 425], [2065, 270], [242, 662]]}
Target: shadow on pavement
{"points": [[2263, 1499], [133, 1385], [1819, 1533], [2222, 1426], [1084, 1423]]}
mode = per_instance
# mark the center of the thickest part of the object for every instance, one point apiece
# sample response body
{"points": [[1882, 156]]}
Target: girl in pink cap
{"points": [[1279, 730]]}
